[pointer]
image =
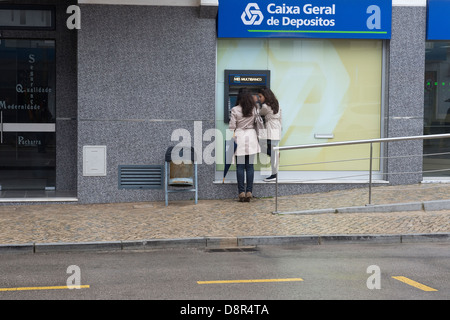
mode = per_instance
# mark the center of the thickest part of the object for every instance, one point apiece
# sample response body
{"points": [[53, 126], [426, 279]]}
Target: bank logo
{"points": [[252, 15]]}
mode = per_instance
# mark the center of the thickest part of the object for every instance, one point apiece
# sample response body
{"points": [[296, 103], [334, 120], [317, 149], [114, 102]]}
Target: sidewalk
{"points": [[228, 220]]}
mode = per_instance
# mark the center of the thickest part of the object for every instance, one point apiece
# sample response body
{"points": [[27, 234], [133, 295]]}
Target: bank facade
{"points": [[81, 102]]}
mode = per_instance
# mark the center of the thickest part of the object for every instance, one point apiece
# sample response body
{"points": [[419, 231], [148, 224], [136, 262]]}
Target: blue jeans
{"points": [[245, 163]]}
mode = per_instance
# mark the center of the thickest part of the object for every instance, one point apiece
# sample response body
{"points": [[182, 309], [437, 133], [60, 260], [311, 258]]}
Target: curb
{"points": [[222, 242], [435, 205]]}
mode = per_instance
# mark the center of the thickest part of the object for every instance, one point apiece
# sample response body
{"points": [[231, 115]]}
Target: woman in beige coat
{"points": [[242, 121], [271, 112]]}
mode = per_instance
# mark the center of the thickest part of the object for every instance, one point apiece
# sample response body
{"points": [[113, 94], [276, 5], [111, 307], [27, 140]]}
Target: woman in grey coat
{"points": [[270, 110]]}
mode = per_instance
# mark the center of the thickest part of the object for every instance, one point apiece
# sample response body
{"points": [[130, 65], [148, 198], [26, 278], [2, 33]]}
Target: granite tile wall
{"points": [[405, 93], [145, 71]]}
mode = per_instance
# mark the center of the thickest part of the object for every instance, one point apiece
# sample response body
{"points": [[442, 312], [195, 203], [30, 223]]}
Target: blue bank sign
{"points": [[438, 26], [359, 19]]}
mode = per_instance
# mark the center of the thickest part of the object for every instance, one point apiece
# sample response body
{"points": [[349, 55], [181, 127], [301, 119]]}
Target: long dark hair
{"points": [[245, 100], [271, 100]]}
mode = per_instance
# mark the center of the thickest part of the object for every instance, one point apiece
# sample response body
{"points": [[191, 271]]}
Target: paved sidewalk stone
{"points": [[228, 218]]}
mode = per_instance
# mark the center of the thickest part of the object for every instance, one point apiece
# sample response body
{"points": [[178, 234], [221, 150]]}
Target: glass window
{"points": [[436, 159], [26, 17], [27, 114], [325, 87]]}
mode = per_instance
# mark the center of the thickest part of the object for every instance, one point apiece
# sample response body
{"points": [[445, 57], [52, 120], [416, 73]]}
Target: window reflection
{"points": [[437, 108]]}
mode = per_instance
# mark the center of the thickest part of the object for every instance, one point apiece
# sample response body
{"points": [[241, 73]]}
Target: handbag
{"points": [[259, 126]]}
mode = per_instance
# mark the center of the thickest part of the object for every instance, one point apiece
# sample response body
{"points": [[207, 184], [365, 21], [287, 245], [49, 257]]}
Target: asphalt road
{"points": [[337, 272]]}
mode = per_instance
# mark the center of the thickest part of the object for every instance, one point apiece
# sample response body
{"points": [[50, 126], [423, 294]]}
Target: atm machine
{"points": [[237, 79]]}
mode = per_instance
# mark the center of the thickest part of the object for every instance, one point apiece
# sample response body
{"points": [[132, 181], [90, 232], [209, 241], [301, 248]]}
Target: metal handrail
{"points": [[343, 143]]}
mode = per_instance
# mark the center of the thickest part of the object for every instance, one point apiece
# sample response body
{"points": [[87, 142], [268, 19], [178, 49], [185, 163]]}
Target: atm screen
{"points": [[237, 79], [232, 101]]}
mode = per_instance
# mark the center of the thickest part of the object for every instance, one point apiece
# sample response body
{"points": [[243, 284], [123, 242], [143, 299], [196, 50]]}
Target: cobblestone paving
{"points": [[223, 218]]}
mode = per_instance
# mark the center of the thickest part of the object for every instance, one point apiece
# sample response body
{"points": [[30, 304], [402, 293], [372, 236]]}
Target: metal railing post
{"points": [[276, 193], [370, 173]]}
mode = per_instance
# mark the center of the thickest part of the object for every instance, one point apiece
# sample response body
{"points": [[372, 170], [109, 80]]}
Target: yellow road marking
{"points": [[43, 288], [414, 283], [249, 281]]}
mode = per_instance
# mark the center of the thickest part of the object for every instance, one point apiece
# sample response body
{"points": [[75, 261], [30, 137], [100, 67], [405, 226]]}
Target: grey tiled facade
{"points": [[134, 74], [404, 91], [155, 76]]}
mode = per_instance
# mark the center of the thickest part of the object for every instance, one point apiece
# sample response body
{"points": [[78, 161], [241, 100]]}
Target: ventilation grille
{"points": [[141, 177]]}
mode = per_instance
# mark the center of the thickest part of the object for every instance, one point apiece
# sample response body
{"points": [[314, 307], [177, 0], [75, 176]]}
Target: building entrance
{"points": [[27, 114]]}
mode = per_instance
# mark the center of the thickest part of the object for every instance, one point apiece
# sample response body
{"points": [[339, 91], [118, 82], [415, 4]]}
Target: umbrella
{"points": [[230, 149]]}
